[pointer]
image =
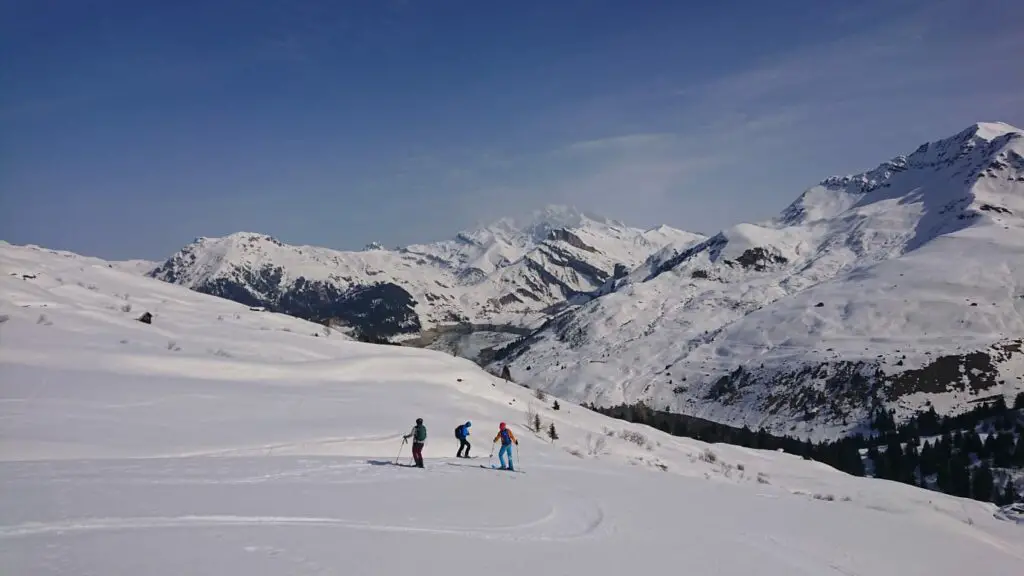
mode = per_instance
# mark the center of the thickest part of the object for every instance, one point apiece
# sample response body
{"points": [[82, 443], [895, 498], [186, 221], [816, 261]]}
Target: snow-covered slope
{"points": [[506, 273], [896, 287], [252, 446], [135, 266]]}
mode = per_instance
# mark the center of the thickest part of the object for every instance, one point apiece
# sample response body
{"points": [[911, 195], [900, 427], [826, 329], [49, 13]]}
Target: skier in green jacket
{"points": [[419, 436]]}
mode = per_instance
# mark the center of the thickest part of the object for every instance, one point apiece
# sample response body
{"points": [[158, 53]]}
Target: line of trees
{"points": [[957, 463], [953, 458], [970, 455]]}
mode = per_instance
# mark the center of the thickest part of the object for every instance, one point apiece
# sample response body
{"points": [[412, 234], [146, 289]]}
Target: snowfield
{"points": [[222, 440]]}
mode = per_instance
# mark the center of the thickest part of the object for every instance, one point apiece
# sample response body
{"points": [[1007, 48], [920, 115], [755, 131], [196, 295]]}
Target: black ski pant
{"points": [[463, 444]]}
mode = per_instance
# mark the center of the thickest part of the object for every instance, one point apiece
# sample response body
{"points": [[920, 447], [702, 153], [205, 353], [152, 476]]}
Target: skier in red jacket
{"points": [[507, 438]]}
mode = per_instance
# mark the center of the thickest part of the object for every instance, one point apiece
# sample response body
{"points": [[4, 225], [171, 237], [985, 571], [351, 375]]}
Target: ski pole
{"points": [[404, 440], [490, 458]]}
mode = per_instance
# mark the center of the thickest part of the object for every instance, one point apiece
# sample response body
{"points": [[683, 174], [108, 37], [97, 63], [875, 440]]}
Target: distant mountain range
{"points": [[506, 275], [898, 288]]}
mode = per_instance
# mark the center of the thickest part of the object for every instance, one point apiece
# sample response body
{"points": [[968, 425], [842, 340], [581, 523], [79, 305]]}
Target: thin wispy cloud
{"points": [[621, 143], [734, 138]]}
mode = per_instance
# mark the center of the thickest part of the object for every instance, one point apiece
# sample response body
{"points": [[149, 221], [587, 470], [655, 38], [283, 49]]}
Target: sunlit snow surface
{"points": [[220, 441]]}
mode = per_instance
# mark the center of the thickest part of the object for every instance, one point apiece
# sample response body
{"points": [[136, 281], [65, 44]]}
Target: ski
{"points": [[484, 467], [496, 468]]}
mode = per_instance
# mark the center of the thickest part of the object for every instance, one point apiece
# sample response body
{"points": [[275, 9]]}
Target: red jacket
{"points": [[511, 436]]}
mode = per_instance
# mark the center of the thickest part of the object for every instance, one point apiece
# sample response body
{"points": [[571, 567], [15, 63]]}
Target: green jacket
{"points": [[418, 433]]}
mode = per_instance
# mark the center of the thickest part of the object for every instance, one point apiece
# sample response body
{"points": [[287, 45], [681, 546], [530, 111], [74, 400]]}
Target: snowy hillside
{"points": [[508, 273], [220, 440], [897, 287]]}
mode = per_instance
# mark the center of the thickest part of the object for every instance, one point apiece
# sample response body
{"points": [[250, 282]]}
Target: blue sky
{"points": [[128, 128]]}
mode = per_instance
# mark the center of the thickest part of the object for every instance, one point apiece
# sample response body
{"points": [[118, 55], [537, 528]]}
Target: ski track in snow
{"points": [[562, 516], [65, 528]]}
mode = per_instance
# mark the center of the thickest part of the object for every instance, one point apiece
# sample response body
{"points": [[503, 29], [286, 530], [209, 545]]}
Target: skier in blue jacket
{"points": [[462, 432]]}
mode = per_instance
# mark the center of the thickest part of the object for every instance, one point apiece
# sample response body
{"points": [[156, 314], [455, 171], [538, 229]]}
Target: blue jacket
{"points": [[463, 431]]}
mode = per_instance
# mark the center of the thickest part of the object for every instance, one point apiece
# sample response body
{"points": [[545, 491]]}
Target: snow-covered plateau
{"points": [[221, 440], [899, 288]]}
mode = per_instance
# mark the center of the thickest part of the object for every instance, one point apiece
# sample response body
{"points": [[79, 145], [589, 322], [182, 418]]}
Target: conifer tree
{"points": [[927, 462], [928, 422], [988, 447], [1002, 450], [1009, 492], [999, 406], [943, 481], [982, 484], [973, 444], [945, 446], [878, 463], [1006, 422], [1018, 452], [850, 459], [959, 475], [909, 466], [894, 459]]}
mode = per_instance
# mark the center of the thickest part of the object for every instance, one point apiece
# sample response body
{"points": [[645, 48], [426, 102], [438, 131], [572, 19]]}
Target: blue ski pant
{"points": [[505, 449]]}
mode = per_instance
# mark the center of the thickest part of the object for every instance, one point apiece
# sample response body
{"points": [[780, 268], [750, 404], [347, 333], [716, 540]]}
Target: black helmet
{"points": [[419, 421]]}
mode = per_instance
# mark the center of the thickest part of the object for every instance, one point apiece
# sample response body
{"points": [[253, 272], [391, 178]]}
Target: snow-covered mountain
{"points": [[897, 287], [220, 440], [508, 273]]}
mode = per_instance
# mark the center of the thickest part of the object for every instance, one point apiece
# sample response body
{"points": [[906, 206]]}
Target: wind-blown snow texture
{"points": [[219, 440], [896, 287], [506, 273]]}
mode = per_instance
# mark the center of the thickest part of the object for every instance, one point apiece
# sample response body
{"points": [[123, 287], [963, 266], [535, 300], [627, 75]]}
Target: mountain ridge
{"points": [[761, 323], [805, 323], [508, 272]]}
